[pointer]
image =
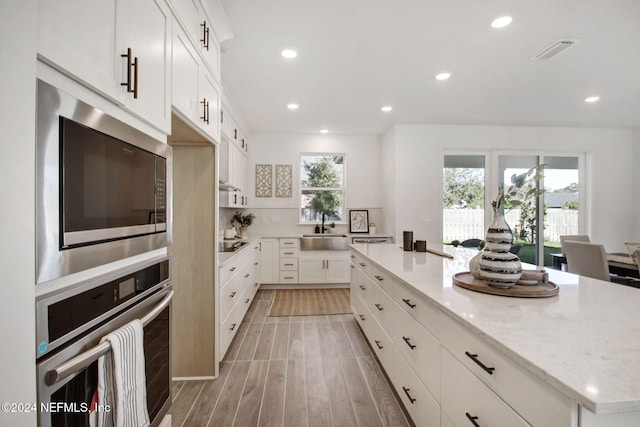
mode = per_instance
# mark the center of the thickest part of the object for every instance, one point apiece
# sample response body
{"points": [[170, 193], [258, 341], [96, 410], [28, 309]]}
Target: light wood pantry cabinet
{"points": [[443, 373], [194, 263], [239, 282], [195, 93], [121, 50], [323, 267]]}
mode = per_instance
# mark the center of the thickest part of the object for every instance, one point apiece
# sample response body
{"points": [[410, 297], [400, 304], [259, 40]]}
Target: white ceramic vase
{"points": [[499, 267]]}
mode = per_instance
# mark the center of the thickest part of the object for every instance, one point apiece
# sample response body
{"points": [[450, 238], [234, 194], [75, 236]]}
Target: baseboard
{"points": [[207, 377], [305, 286]]}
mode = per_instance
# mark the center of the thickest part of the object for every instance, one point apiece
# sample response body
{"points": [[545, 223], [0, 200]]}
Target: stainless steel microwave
{"points": [[103, 188]]}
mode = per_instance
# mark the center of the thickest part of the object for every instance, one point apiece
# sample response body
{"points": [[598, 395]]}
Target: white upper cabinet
{"points": [[119, 49], [195, 94], [197, 25]]}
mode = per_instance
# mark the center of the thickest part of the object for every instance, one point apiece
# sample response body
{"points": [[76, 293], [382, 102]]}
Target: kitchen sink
{"points": [[324, 242]]}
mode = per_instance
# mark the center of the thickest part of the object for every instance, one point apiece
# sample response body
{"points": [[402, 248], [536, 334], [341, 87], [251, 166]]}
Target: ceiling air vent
{"points": [[554, 49]]}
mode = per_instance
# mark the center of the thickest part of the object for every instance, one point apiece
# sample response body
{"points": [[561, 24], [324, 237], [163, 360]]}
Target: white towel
{"points": [[121, 379]]}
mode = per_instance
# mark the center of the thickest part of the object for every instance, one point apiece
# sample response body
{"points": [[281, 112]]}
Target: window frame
{"points": [[342, 189]]}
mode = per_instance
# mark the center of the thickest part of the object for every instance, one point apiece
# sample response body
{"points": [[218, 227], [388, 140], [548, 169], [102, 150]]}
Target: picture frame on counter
{"points": [[358, 221]]}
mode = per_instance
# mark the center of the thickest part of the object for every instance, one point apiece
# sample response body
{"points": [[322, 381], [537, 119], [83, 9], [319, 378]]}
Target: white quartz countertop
{"points": [[585, 342]]}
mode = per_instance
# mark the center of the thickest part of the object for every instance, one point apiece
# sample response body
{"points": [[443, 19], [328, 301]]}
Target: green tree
{"points": [[571, 204], [323, 174], [463, 188]]}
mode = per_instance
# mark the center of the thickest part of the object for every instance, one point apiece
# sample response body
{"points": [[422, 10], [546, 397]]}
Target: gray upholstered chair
{"points": [[586, 259], [573, 238]]}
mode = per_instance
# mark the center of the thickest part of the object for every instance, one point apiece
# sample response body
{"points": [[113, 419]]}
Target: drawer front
{"points": [[360, 284], [289, 264], [230, 295], [228, 270], [381, 278], [536, 401], [415, 397], [289, 252], [360, 262], [361, 314], [425, 313], [289, 243], [419, 348], [289, 276], [228, 330], [380, 304], [465, 397]]}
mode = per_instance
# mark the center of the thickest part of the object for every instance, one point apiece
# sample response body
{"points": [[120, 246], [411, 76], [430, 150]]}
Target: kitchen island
{"points": [[567, 360]]}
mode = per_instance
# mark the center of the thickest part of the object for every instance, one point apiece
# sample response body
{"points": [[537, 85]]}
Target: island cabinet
{"points": [[443, 373]]}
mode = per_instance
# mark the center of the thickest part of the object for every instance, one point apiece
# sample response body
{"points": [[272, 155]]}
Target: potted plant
{"points": [[242, 221]]}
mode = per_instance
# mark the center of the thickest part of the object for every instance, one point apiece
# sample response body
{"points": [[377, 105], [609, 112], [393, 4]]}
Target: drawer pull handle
{"points": [[353, 266], [474, 357], [247, 275], [472, 419], [378, 344], [406, 391], [288, 243], [411, 346], [288, 253], [353, 256], [408, 302], [256, 284], [380, 278], [247, 300], [362, 287], [255, 263], [232, 269], [233, 294], [362, 317], [289, 265], [362, 264], [288, 277], [379, 307], [232, 327]]}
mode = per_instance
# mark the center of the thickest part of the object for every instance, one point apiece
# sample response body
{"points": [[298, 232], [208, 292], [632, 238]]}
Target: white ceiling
{"points": [[357, 55]]}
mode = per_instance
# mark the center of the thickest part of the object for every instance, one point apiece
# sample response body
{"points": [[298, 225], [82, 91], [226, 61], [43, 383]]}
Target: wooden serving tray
{"points": [[541, 290]]}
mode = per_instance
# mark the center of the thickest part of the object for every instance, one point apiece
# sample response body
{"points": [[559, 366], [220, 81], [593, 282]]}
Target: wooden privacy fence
{"points": [[461, 224]]}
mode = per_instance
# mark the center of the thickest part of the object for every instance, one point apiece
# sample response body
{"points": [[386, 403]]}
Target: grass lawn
{"points": [[527, 252]]}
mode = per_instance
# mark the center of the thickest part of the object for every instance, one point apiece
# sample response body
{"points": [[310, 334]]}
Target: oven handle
{"points": [[85, 359]]}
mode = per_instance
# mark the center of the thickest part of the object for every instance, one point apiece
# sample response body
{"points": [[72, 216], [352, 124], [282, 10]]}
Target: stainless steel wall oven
{"points": [[103, 187], [70, 324]]}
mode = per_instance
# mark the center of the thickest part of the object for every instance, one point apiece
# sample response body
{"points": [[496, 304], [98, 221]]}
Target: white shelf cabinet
{"points": [[89, 41]]}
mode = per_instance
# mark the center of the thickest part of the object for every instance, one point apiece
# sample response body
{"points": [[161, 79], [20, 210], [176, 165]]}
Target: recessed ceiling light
{"points": [[293, 106], [592, 99], [443, 76], [289, 53], [387, 108], [501, 22], [324, 131]]}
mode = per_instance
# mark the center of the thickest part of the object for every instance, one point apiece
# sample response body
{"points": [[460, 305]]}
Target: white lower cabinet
{"points": [[444, 374], [239, 282], [269, 261], [324, 267]]}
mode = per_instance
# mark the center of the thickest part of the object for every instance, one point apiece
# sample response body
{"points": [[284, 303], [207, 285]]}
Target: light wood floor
{"points": [[291, 372]]}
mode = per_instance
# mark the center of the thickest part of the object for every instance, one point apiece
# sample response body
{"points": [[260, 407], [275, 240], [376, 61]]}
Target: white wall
{"points": [[17, 216], [418, 166], [363, 155], [636, 187]]}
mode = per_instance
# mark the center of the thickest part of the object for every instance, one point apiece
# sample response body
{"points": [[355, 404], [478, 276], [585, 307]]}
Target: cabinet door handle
{"points": [[408, 302], [327, 264], [131, 82], [362, 317], [232, 327], [406, 391], [256, 263], [362, 264], [362, 287], [378, 344], [411, 346], [474, 357], [205, 110], [205, 35], [221, 116], [235, 134], [235, 199], [379, 307], [472, 419], [380, 278], [233, 294]]}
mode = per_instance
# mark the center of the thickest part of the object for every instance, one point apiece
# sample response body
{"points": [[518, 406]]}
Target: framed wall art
{"points": [[358, 221]]}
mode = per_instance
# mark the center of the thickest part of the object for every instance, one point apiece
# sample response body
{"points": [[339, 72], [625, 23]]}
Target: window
{"points": [[322, 188], [463, 197]]}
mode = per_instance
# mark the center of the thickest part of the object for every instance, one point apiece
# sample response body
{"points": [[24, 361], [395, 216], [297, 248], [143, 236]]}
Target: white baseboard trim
{"points": [[193, 378], [305, 286]]}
